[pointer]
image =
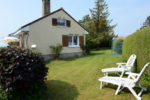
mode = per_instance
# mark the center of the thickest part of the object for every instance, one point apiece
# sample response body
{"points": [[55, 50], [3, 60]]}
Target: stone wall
{"points": [[63, 56]]}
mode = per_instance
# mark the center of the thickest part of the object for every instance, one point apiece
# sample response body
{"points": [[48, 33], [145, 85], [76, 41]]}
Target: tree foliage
{"points": [[98, 26], [146, 23]]}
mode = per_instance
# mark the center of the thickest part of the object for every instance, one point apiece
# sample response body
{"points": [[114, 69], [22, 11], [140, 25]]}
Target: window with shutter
{"points": [[54, 22], [61, 22], [73, 41]]}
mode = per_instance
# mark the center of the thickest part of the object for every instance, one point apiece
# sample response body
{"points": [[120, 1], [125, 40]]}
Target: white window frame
{"points": [[59, 19], [72, 44]]}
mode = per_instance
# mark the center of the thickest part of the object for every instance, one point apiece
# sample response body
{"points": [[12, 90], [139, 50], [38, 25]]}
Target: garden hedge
{"points": [[139, 43]]}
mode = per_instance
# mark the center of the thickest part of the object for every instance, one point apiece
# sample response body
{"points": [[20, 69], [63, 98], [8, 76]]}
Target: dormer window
{"points": [[61, 22]]}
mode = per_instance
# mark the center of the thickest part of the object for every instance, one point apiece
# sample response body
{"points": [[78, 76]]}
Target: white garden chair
{"points": [[122, 67], [130, 82]]}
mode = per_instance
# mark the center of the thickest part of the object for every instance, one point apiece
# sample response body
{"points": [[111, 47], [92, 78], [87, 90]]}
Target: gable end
{"points": [[68, 23]]}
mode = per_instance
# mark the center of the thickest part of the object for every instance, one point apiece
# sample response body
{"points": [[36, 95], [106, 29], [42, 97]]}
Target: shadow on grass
{"points": [[59, 90], [125, 90]]}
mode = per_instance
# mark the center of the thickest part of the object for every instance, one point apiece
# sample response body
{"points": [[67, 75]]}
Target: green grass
{"points": [[77, 78]]}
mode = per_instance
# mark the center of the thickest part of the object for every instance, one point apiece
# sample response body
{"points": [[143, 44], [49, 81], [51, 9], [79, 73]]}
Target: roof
{"points": [[52, 14], [120, 38]]}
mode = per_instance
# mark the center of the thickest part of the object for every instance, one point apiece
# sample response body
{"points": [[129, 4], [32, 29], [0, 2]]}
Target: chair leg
{"points": [[121, 89], [117, 73], [134, 93], [117, 91], [106, 74], [142, 90], [101, 85], [122, 74]]}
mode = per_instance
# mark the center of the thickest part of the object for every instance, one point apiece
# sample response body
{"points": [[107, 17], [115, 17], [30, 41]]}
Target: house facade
{"points": [[52, 29]]}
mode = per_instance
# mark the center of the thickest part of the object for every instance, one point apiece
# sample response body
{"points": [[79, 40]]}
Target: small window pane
{"points": [[70, 40], [75, 40]]}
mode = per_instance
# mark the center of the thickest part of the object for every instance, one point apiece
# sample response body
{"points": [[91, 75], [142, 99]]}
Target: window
{"points": [[70, 40], [61, 22], [73, 40]]}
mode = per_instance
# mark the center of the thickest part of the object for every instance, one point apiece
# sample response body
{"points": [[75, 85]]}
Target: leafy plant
{"points": [[85, 49], [56, 50], [20, 71], [13, 44], [4, 95]]}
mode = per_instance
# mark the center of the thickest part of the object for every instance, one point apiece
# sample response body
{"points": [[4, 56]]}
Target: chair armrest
{"points": [[122, 63], [133, 74], [126, 67]]}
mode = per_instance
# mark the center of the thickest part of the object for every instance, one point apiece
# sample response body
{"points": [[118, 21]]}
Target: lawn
{"points": [[77, 78]]}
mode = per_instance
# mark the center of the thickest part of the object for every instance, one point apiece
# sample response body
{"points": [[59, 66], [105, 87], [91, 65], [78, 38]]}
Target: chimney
{"points": [[45, 7]]}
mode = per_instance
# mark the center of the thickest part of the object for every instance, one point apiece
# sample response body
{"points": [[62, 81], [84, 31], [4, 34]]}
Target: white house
{"points": [[51, 29]]}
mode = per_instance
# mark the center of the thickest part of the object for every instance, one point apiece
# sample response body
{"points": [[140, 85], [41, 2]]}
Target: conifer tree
{"points": [[146, 23], [98, 26]]}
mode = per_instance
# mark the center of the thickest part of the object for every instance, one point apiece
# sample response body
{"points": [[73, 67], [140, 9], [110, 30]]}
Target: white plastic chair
{"points": [[130, 82], [122, 67]]}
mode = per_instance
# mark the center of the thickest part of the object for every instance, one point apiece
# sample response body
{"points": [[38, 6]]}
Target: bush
{"points": [[139, 44], [56, 50], [13, 44], [85, 49], [21, 71]]}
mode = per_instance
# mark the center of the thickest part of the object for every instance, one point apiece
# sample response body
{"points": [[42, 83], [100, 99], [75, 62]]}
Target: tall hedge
{"points": [[139, 43]]}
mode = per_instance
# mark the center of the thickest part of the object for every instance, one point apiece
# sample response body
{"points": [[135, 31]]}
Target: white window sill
{"points": [[61, 26], [73, 46]]}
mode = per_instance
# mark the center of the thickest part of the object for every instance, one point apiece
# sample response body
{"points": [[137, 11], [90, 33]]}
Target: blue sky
{"points": [[127, 14]]}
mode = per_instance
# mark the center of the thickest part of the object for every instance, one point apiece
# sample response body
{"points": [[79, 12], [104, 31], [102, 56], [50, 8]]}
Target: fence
{"points": [[116, 47]]}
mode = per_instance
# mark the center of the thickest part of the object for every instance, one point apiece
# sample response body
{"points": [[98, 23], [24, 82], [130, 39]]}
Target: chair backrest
{"points": [[131, 60], [142, 71]]}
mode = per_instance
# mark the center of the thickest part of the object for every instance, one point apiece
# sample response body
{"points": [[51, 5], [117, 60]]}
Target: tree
{"points": [[146, 23], [86, 21], [98, 26]]}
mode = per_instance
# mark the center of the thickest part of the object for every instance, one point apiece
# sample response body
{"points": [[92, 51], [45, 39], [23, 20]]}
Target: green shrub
{"points": [[139, 43], [21, 71], [4, 95], [13, 44], [56, 50], [85, 49]]}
